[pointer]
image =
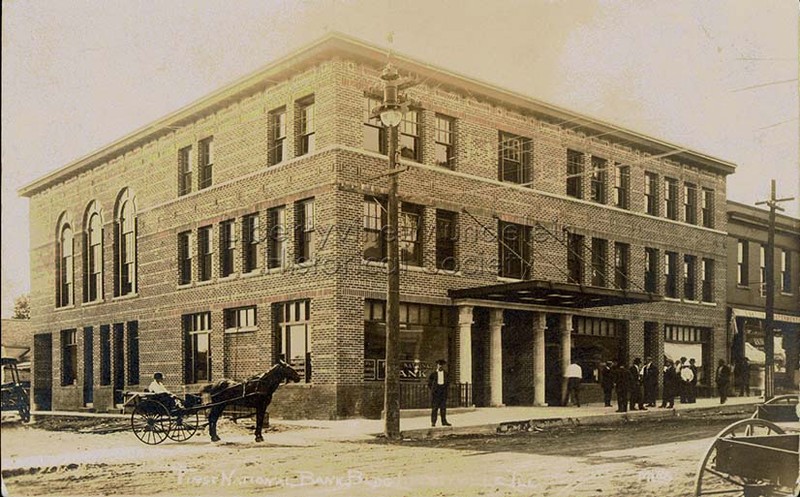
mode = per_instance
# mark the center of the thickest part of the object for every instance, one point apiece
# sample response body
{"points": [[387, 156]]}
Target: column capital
{"points": [[496, 317], [465, 315], [539, 321]]}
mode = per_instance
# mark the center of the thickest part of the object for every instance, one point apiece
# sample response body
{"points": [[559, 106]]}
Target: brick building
{"points": [[747, 239], [249, 225]]}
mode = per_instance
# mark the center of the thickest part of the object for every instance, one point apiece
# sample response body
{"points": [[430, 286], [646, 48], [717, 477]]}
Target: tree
{"points": [[22, 307]]}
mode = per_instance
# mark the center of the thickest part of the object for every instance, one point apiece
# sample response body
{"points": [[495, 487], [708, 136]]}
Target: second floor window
{"points": [[277, 135], [206, 166], [689, 277], [185, 258], [411, 234], [93, 260], [651, 193], [650, 270], [621, 258], [786, 271], [708, 280], [762, 259], [227, 248], [446, 237], [374, 133], [743, 262], [599, 257], [671, 274], [276, 247], [304, 240], [409, 136], [599, 175], [306, 127], [575, 258], [205, 251], [185, 167], [575, 164], [65, 270], [690, 203], [126, 247], [622, 186], [374, 229], [515, 154], [707, 212], [250, 240], [671, 198], [444, 141], [514, 251]]}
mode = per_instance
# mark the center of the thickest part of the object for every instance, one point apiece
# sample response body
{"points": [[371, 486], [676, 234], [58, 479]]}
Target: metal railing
{"points": [[417, 395]]}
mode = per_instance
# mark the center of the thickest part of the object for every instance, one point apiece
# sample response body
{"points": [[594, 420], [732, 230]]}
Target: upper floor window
{"points": [[197, 329], [125, 273], [514, 251], [276, 247], [65, 270], [205, 251], [689, 276], [651, 193], [621, 263], [293, 335], [227, 248], [411, 234], [622, 186], [239, 319], [277, 136], [575, 268], [707, 212], [786, 271], [515, 154], [206, 151], [599, 257], [762, 263], [93, 256], [671, 198], [671, 274], [374, 229], [575, 164], [651, 270], [445, 139], [306, 126], [743, 262], [708, 280], [304, 246], [374, 132], [446, 237], [690, 203], [409, 136], [185, 166], [250, 240], [185, 258], [599, 177]]}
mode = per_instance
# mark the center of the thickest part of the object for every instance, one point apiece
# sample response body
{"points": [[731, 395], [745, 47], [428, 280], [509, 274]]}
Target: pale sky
{"points": [[719, 77]]}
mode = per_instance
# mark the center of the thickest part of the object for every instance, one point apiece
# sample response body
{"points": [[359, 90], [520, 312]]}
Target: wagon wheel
{"points": [[150, 422], [184, 425], [709, 481], [788, 399]]}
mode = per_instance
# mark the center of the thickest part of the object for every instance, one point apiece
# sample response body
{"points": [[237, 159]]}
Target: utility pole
{"points": [[769, 281]]}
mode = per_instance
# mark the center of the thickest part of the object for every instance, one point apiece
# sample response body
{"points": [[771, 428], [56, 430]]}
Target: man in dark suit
{"points": [[635, 386], [650, 382], [607, 381], [438, 381], [670, 385], [723, 379], [621, 381]]}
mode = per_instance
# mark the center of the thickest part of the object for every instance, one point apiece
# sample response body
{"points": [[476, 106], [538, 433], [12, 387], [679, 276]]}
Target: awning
{"points": [[747, 313], [548, 293]]}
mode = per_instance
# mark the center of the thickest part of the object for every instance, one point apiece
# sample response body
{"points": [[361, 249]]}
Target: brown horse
{"points": [[253, 392]]}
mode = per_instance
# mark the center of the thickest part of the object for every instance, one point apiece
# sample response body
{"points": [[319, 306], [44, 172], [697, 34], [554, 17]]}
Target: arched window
{"points": [[125, 245], [64, 265], [93, 255]]}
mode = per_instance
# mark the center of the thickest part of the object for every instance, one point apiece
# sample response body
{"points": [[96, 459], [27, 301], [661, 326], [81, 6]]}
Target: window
{"points": [[69, 357], [185, 257], [514, 159], [277, 237], [410, 240], [206, 166], [743, 262], [292, 335], [690, 203], [304, 215], [651, 270], [277, 136], [185, 160], [786, 271], [446, 237], [671, 274], [689, 276], [374, 132], [651, 193], [621, 258], [133, 352], [599, 176], [445, 133], [93, 259], [65, 270], [105, 355], [575, 258], [762, 257], [514, 249], [599, 257], [227, 248], [575, 173], [708, 280], [240, 319], [409, 136], [306, 126], [622, 186], [374, 229], [125, 247], [204, 253], [671, 198], [708, 208], [197, 329], [250, 240]]}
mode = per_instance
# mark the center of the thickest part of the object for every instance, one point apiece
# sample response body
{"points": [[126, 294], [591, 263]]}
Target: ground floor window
{"points": [[105, 355], [292, 334], [596, 341], [69, 357], [689, 342], [197, 329]]}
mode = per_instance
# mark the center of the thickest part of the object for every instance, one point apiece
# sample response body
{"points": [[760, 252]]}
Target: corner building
{"points": [[250, 225]]}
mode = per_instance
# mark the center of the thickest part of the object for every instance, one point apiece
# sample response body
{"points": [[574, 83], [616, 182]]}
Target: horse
{"points": [[254, 392]]}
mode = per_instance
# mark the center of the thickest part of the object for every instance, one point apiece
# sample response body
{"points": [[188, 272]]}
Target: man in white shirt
{"points": [[438, 382], [574, 375], [157, 386]]}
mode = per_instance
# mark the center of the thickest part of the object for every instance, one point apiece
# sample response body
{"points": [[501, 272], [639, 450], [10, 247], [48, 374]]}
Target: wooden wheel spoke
{"points": [[725, 477]]}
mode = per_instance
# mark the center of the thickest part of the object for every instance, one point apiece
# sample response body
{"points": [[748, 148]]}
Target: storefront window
{"points": [[595, 341]]}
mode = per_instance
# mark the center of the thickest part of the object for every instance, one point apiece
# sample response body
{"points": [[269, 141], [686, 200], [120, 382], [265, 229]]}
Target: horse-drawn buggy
{"points": [[756, 457], [14, 393], [159, 416]]}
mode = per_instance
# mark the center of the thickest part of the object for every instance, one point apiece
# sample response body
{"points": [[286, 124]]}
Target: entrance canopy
{"points": [[553, 294]]}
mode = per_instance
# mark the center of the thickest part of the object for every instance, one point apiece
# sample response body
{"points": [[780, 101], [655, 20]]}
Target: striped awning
{"points": [[748, 313]]}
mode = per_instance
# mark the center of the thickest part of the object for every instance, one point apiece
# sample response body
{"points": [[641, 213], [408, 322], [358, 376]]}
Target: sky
{"points": [[717, 76]]}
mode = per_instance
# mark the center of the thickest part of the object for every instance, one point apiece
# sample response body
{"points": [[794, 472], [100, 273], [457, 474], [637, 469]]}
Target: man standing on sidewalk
{"points": [[607, 381], [650, 382], [670, 384], [635, 386], [438, 381], [621, 385], [723, 380], [574, 375]]}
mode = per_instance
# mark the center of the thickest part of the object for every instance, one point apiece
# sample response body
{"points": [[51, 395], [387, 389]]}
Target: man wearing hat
{"points": [[157, 386], [438, 381]]}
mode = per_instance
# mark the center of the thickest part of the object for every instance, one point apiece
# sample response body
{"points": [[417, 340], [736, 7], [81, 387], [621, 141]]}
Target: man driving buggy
{"points": [[169, 399]]}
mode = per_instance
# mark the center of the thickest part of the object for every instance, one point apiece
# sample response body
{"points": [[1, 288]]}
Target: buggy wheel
{"points": [[150, 422], [709, 480], [183, 426]]}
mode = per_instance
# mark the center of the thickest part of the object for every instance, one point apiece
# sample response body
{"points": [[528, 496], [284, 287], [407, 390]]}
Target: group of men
{"points": [[636, 386]]}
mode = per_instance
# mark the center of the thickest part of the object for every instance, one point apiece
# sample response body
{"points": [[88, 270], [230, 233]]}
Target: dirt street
{"points": [[645, 458]]}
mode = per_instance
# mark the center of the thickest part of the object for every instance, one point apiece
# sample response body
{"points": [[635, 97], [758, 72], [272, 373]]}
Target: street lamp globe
{"points": [[391, 115]]}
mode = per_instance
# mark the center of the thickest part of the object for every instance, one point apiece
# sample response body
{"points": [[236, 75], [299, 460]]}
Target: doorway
{"points": [[43, 371]]}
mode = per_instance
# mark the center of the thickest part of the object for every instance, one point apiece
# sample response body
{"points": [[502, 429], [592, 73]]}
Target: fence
{"points": [[416, 395]]}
